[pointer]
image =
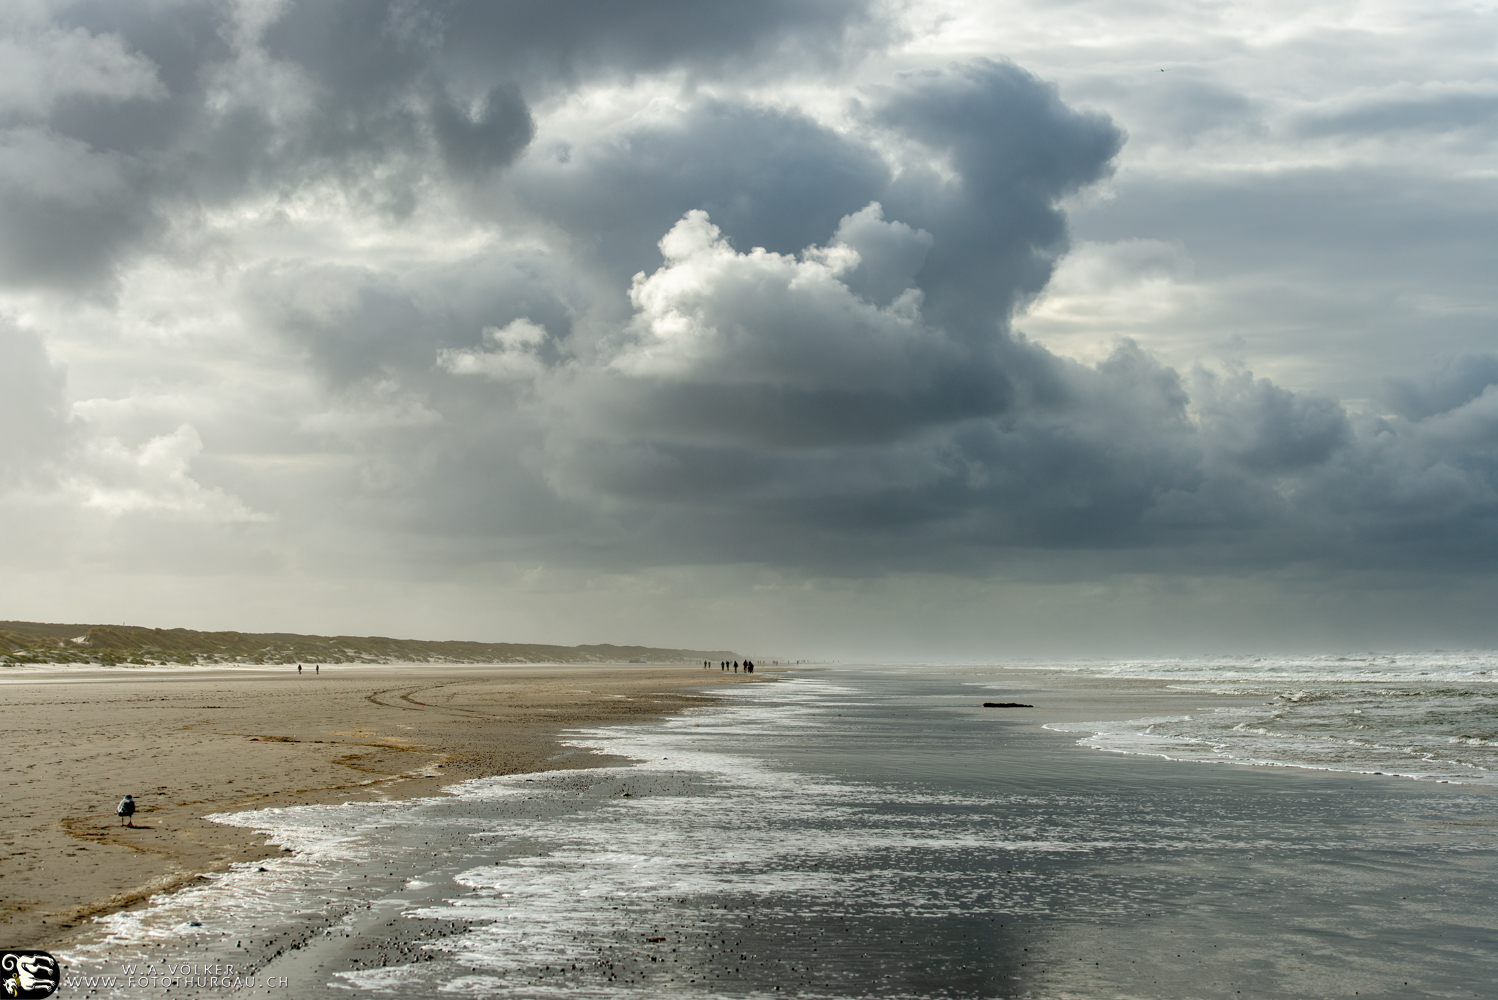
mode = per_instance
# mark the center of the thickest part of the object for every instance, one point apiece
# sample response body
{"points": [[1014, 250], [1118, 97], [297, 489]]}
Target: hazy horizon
{"points": [[856, 330]]}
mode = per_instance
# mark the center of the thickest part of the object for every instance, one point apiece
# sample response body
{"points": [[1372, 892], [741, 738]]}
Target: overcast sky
{"points": [[938, 330]]}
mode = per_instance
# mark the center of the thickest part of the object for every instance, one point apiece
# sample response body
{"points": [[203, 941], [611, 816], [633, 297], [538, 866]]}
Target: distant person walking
{"points": [[298, 668], [317, 668], [125, 810]]}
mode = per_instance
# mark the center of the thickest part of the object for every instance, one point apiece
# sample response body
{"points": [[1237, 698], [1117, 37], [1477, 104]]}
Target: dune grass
{"points": [[40, 642]]}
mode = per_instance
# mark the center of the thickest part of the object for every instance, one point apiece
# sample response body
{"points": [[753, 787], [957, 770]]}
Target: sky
{"points": [[892, 331]]}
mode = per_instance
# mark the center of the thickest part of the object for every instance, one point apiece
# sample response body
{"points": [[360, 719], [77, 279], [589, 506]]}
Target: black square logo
{"points": [[27, 975]]}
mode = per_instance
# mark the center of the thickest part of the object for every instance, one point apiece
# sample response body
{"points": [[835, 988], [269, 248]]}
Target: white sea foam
{"points": [[1430, 716], [1462, 666]]}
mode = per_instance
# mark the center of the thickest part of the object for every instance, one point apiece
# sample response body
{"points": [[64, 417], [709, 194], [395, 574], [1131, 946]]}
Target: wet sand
{"points": [[187, 743]]}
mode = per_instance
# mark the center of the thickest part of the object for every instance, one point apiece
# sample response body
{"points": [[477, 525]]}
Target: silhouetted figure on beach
{"points": [[125, 810], [298, 668], [317, 668]]}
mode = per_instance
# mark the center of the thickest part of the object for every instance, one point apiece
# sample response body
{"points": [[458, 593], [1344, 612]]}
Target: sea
{"points": [[1208, 827]]}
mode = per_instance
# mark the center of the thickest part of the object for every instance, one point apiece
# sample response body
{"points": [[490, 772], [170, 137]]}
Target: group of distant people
{"points": [[730, 665], [316, 668]]}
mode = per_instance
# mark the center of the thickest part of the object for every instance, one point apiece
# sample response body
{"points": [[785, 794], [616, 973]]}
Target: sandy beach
{"points": [[187, 743]]}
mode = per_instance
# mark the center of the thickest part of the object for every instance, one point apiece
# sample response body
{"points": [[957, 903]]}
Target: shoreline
{"points": [[190, 742], [865, 834]]}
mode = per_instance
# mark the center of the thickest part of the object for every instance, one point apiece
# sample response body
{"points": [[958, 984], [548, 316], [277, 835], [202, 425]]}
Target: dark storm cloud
{"points": [[863, 403], [361, 324], [817, 383], [1412, 494], [1265, 429], [349, 43], [871, 385], [1016, 149], [775, 179], [1215, 472], [474, 143], [1453, 383], [67, 212], [768, 178], [884, 330], [370, 95], [82, 170]]}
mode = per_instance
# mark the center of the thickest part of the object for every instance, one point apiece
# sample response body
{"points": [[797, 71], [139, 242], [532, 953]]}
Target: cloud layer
{"points": [[413, 289]]}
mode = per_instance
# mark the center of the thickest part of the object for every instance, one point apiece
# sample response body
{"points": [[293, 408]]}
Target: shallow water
{"points": [[1430, 716], [857, 832]]}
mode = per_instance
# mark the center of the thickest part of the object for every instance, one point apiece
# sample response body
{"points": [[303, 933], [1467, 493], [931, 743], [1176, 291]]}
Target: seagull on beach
{"points": [[126, 809]]}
